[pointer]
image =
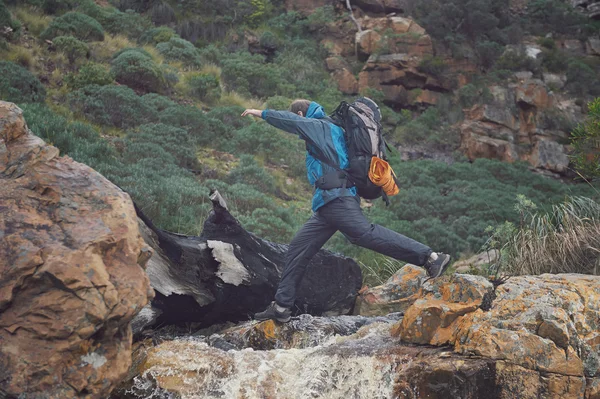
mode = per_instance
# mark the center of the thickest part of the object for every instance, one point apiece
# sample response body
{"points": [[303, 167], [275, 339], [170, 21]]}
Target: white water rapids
{"points": [[356, 366]]}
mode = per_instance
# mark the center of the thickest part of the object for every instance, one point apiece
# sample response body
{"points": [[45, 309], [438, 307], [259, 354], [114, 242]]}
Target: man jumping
{"points": [[333, 209]]}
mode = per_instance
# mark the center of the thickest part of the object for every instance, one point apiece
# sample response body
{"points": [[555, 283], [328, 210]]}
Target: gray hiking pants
{"points": [[343, 214]]}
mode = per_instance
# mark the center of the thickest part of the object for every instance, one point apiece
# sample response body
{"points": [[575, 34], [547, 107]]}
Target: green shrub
{"points": [[137, 70], [157, 35], [173, 140], [128, 23], [157, 102], [251, 173], [434, 66], [7, 21], [249, 75], [116, 106], [190, 118], [554, 60], [488, 52], [178, 49], [582, 79], [18, 85], [89, 74], [76, 24], [205, 87], [586, 143], [78, 140], [516, 60], [269, 143], [71, 47]]}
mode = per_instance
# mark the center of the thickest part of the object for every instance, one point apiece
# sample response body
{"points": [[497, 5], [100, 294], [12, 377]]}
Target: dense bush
{"points": [[76, 24], [128, 23], [190, 118], [251, 173], [173, 140], [7, 21], [157, 35], [116, 106], [516, 60], [89, 74], [157, 102], [79, 140], [177, 49], [488, 52], [137, 70], [73, 48], [582, 79], [19, 85], [205, 87], [249, 75]]}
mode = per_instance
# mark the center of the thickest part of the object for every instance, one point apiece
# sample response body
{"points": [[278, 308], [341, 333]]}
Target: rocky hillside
{"points": [[149, 94]]}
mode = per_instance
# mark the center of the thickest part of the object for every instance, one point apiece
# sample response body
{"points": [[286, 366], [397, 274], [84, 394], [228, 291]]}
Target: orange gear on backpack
{"points": [[382, 175]]}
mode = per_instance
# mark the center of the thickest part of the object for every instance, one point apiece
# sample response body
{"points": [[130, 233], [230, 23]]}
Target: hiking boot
{"points": [[274, 312], [437, 267]]}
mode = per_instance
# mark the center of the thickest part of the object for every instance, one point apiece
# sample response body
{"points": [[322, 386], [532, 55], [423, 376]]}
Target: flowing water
{"points": [[334, 357]]}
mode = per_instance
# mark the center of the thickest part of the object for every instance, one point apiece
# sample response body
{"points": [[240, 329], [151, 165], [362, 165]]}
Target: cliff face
{"points": [[527, 118], [71, 271]]}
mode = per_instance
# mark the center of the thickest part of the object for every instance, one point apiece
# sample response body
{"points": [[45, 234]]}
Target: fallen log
{"points": [[228, 273]]}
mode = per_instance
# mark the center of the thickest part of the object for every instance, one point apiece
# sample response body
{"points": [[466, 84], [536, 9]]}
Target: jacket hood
{"points": [[315, 111]]}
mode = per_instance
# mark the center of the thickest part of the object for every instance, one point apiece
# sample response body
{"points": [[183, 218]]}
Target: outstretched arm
{"points": [[311, 130]]}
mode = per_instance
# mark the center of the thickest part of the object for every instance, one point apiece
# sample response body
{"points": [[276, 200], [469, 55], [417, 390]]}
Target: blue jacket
{"points": [[321, 136]]}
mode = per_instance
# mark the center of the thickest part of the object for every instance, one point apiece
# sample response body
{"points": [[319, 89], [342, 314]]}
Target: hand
{"points": [[254, 112]]}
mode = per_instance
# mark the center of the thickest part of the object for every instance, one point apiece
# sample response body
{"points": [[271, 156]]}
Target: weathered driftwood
{"points": [[228, 273]]}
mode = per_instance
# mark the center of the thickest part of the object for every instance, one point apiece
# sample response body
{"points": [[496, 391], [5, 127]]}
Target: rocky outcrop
{"points": [[524, 121], [531, 337], [536, 326], [589, 7], [71, 271], [396, 295], [228, 273]]}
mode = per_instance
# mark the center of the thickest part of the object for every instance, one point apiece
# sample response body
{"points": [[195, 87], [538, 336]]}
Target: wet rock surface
{"points": [[71, 271], [461, 336]]}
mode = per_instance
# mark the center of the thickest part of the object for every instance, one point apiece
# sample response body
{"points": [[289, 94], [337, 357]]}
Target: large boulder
{"points": [[71, 271], [536, 324]]}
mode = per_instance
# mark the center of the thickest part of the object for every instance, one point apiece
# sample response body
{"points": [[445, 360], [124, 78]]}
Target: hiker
{"points": [[334, 209]]}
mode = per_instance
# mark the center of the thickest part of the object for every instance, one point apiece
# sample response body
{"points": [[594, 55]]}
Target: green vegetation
{"points": [[74, 24], [19, 85], [565, 239], [586, 143], [7, 21], [73, 48], [150, 95], [178, 49], [136, 69]]}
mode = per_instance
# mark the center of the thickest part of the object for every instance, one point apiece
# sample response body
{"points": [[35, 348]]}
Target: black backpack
{"points": [[361, 121]]}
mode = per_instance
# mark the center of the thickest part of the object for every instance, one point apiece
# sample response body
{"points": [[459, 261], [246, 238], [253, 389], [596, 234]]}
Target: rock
{"points": [[541, 323], [532, 93], [368, 41], [554, 80], [476, 263], [396, 295], [346, 81], [592, 46], [366, 364], [548, 154], [71, 271], [382, 6], [574, 47], [228, 273], [525, 122]]}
